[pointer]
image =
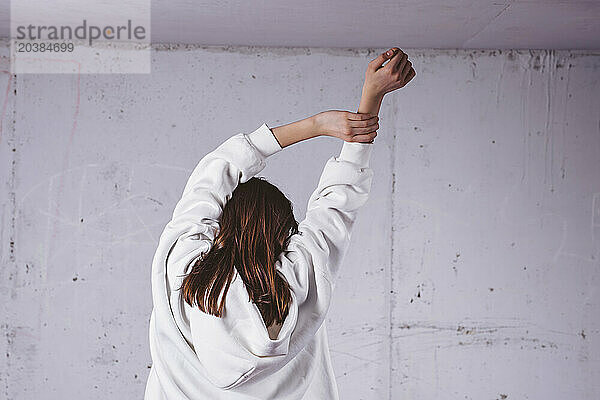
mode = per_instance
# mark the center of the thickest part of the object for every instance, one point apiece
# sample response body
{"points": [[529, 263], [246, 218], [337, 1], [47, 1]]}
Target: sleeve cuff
{"points": [[358, 153], [264, 141]]}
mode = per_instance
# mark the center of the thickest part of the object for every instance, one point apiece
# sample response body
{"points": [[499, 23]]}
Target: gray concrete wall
{"points": [[474, 269]]}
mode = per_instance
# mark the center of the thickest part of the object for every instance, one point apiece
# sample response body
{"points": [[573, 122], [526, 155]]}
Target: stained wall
{"points": [[474, 268]]}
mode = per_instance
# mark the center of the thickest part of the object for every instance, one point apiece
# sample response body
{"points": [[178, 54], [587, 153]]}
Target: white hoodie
{"points": [[199, 356]]}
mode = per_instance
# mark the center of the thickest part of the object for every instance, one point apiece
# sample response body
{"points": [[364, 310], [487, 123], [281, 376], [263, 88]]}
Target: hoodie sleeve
{"points": [[314, 255], [210, 186]]}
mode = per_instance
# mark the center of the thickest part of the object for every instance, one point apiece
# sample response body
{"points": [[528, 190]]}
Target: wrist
{"points": [[316, 124], [371, 93], [370, 102]]}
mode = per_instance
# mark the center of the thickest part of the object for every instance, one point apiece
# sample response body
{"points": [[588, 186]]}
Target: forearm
{"points": [[296, 131]]}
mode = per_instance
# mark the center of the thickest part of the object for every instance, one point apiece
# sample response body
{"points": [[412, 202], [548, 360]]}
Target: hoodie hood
{"points": [[189, 346], [237, 345]]}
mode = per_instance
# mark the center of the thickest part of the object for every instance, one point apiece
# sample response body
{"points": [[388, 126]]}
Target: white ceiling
{"points": [[498, 24]]}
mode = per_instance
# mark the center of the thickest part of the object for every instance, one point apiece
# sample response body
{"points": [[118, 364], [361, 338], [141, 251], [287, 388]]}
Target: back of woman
{"points": [[241, 290]]}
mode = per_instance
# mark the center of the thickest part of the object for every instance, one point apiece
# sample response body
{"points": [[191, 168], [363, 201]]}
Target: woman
{"points": [[240, 289]]}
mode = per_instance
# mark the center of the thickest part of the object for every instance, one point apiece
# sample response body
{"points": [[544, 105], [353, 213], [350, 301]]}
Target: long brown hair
{"points": [[254, 228]]}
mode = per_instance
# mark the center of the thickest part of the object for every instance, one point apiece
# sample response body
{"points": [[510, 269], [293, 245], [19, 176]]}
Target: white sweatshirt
{"points": [[199, 356]]}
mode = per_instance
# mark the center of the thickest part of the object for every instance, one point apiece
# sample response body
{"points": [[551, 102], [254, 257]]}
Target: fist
{"points": [[348, 126], [381, 79]]}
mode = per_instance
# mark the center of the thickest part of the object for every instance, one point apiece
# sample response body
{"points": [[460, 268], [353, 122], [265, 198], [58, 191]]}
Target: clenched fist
{"points": [[381, 79]]}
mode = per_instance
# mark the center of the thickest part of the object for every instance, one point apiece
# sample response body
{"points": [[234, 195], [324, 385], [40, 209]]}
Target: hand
{"points": [[346, 125], [380, 80]]}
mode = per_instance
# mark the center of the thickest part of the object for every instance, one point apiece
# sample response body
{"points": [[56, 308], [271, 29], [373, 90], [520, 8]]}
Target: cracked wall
{"points": [[475, 263]]}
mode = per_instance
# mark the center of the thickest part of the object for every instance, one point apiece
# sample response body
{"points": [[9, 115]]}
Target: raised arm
{"points": [[346, 179], [195, 219], [314, 256]]}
